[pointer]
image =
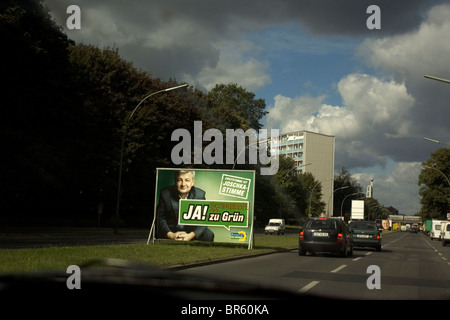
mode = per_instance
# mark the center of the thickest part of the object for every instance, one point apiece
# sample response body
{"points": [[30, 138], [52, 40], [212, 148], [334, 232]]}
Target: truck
{"points": [[435, 232], [445, 233], [427, 227], [275, 226]]}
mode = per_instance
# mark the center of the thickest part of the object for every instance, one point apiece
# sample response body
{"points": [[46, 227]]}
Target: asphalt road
{"points": [[411, 266]]}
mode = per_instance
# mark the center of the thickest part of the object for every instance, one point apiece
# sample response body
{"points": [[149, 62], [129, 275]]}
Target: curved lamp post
{"points": [[329, 199], [448, 181], [312, 192], [119, 184], [437, 79], [436, 141]]}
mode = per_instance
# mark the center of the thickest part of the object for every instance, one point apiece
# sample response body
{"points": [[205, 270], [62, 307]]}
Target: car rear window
{"points": [[363, 225], [321, 224]]}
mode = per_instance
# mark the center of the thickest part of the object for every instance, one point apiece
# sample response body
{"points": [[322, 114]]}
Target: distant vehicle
{"points": [[435, 232], [445, 233], [427, 227], [413, 229], [325, 235], [275, 226], [365, 234]]}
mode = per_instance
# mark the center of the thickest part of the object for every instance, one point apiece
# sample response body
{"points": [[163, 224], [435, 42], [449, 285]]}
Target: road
{"points": [[411, 266]]}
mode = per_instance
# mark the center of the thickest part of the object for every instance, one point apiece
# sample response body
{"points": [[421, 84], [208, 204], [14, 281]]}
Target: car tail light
{"points": [[376, 236], [340, 237], [301, 235]]}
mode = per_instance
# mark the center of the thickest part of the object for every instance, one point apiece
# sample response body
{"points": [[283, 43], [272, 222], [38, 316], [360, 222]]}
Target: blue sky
{"points": [[304, 64], [315, 63]]}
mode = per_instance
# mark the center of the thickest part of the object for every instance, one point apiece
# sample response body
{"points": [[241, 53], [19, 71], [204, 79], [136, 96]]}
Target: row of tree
{"points": [[64, 107], [435, 186]]}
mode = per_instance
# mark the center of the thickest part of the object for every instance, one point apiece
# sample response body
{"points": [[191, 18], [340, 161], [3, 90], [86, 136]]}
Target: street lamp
{"points": [[437, 79], [329, 199], [312, 192], [436, 141], [440, 172], [127, 123]]}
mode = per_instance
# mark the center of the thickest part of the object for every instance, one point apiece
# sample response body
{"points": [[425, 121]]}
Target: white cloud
{"points": [[397, 188], [372, 109], [416, 53], [234, 67]]}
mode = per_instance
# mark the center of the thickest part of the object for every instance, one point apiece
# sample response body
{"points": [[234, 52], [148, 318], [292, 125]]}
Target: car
{"points": [[275, 226], [413, 229], [325, 234], [445, 233], [435, 232], [365, 234]]}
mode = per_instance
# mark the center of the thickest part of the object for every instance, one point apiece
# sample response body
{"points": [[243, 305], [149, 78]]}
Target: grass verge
{"points": [[158, 254]]}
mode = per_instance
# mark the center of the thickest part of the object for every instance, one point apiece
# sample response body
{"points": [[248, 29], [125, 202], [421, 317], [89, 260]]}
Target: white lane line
{"points": [[356, 259], [368, 253], [338, 268], [308, 286]]}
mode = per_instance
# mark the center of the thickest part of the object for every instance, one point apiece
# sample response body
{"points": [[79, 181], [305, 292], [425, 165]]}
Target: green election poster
{"points": [[204, 205]]}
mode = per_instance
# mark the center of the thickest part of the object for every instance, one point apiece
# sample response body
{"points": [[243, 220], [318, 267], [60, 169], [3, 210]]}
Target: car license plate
{"points": [[320, 234], [363, 236]]}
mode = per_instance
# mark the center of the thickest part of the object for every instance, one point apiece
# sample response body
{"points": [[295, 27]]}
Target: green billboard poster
{"points": [[204, 205]]}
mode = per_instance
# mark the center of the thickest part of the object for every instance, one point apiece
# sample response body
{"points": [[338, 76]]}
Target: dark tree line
{"points": [[64, 107]]}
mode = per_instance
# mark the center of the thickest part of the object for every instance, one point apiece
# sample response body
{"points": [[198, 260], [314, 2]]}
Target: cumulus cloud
{"points": [[233, 67], [372, 111], [401, 182], [408, 58]]}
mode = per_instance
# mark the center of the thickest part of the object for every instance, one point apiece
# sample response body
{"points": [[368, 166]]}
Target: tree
{"points": [[434, 185], [235, 107], [315, 206], [34, 111]]}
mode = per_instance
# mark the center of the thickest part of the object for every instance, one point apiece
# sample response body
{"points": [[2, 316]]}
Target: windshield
{"points": [[321, 224], [274, 224], [171, 133]]}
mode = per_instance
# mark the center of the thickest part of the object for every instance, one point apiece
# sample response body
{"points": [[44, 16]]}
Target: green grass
{"points": [[164, 254]]}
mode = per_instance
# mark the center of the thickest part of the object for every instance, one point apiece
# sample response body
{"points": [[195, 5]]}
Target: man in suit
{"points": [[168, 209]]}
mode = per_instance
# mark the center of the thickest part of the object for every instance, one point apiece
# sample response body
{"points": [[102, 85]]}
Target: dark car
{"points": [[366, 234], [325, 235]]}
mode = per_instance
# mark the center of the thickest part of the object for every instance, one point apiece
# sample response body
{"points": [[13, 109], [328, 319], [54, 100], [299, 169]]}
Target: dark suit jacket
{"points": [[167, 211]]}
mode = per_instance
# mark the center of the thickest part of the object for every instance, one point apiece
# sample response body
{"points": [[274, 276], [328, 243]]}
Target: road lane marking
{"points": [[356, 259], [338, 268], [308, 286], [368, 253]]}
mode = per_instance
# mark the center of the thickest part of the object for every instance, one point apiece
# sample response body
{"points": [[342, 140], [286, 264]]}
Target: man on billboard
{"points": [[168, 209]]}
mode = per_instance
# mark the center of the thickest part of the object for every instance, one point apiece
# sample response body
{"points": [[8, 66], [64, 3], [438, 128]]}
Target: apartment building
{"points": [[314, 153]]}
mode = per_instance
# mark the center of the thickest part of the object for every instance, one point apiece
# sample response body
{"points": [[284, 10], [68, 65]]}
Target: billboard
{"points": [[357, 210], [204, 205]]}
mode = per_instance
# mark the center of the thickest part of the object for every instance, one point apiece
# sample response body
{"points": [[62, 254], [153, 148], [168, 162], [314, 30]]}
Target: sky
{"points": [[315, 63]]}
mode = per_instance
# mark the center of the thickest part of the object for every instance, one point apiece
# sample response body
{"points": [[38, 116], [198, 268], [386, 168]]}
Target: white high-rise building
{"points": [[314, 153]]}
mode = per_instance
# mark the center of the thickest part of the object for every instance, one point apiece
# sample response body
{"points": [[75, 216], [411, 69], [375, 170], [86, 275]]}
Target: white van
{"points": [[445, 233], [275, 226], [435, 232]]}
